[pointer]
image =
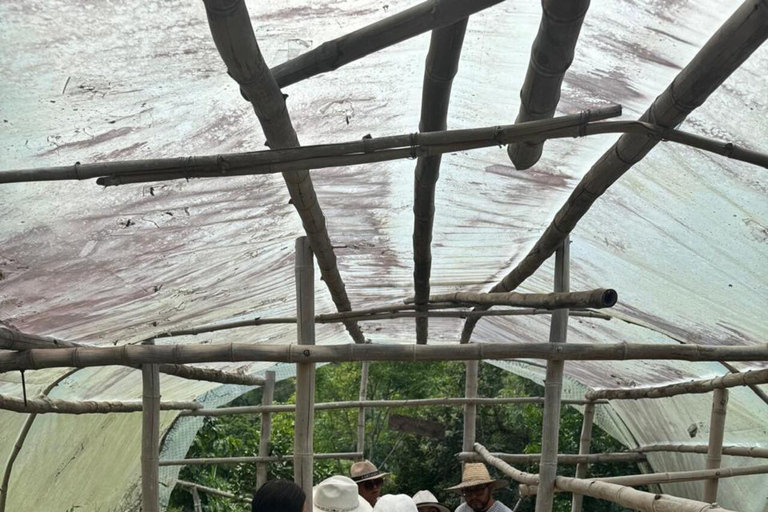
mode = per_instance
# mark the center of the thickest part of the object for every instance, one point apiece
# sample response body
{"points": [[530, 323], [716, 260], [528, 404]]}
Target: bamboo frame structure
{"points": [[624, 496], [715, 448], [600, 298], [585, 445], [258, 460], [725, 51], [233, 34], [472, 373], [730, 380], [45, 405], [553, 382], [212, 491], [551, 56], [150, 438], [265, 434], [562, 458], [196, 503], [362, 397], [735, 451]]}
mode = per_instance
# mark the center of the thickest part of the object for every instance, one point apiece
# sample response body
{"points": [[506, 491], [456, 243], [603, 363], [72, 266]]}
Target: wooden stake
{"points": [[553, 386], [585, 443], [363, 396], [268, 394], [470, 409], [150, 438], [716, 433], [305, 372]]}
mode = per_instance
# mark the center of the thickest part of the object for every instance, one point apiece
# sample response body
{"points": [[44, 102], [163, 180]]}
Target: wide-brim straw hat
{"points": [[427, 499], [338, 494], [395, 503], [365, 470], [475, 474]]}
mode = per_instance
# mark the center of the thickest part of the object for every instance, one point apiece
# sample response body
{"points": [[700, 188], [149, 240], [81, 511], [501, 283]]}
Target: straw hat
{"points": [[395, 503], [365, 470], [475, 473], [427, 499], [338, 494]]}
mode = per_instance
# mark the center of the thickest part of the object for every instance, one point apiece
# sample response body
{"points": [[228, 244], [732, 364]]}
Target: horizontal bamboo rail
{"points": [[255, 460], [47, 405], [665, 478], [333, 54], [600, 298], [356, 404], [212, 491], [83, 357], [533, 458], [15, 340], [695, 386], [623, 495], [735, 451]]}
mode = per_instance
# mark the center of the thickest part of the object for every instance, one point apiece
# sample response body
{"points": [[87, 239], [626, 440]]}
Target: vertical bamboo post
{"points": [[361, 411], [715, 450], [470, 410], [553, 387], [150, 438], [305, 372], [196, 500], [268, 394], [585, 442]]}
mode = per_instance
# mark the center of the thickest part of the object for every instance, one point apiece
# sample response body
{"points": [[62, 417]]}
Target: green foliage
{"points": [[415, 462]]}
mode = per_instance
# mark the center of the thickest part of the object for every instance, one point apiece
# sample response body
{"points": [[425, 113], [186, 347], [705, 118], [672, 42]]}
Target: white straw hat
{"points": [[475, 473], [338, 494], [395, 503], [427, 499]]}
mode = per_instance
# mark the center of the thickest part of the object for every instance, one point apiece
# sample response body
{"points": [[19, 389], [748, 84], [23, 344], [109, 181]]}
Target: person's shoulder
{"points": [[499, 507], [462, 508]]}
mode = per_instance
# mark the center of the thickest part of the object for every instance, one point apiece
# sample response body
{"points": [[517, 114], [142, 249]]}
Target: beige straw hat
{"points": [[365, 470], [475, 473]]}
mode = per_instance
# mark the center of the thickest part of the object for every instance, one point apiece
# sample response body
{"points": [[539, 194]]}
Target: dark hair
{"points": [[278, 496]]}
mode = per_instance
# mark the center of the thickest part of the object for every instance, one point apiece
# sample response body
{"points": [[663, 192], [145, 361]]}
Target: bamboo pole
{"points": [[715, 448], [430, 15], [212, 491], [129, 355], [600, 298], [363, 396], [258, 460], [196, 500], [585, 444], [439, 70], [265, 434], [551, 56], [553, 385], [387, 404], [470, 409], [624, 496], [303, 441], [725, 51], [233, 34], [735, 451], [150, 438], [565, 459], [695, 386], [665, 478], [45, 405]]}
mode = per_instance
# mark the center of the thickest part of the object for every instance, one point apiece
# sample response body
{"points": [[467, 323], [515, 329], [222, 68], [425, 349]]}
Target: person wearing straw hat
{"points": [[395, 503], [477, 488], [338, 494], [368, 479], [426, 502]]}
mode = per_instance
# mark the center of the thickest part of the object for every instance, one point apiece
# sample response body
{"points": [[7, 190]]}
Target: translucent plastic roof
{"points": [[681, 237]]}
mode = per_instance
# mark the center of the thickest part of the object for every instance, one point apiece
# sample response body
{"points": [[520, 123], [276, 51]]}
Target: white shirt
{"points": [[496, 507]]}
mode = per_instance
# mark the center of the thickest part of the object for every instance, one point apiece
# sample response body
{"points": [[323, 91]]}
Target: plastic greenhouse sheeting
{"points": [[681, 237]]}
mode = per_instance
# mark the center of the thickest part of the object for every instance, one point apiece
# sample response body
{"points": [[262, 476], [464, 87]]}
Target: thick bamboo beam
{"points": [[386, 404], [715, 448], [258, 460], [441, 67], [45, 405], [600, 298], [129, 355], [212, 491], [735, 451], [196, 503], [551, 56], [150, 438], [363, 396], [265, 434], [553, 385], [666, 478], [303, 439], [733, 43], [562, 458], [430, 15], [233, 34], [624, 496], [585, 446], [470, 409], [682, 388]]}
